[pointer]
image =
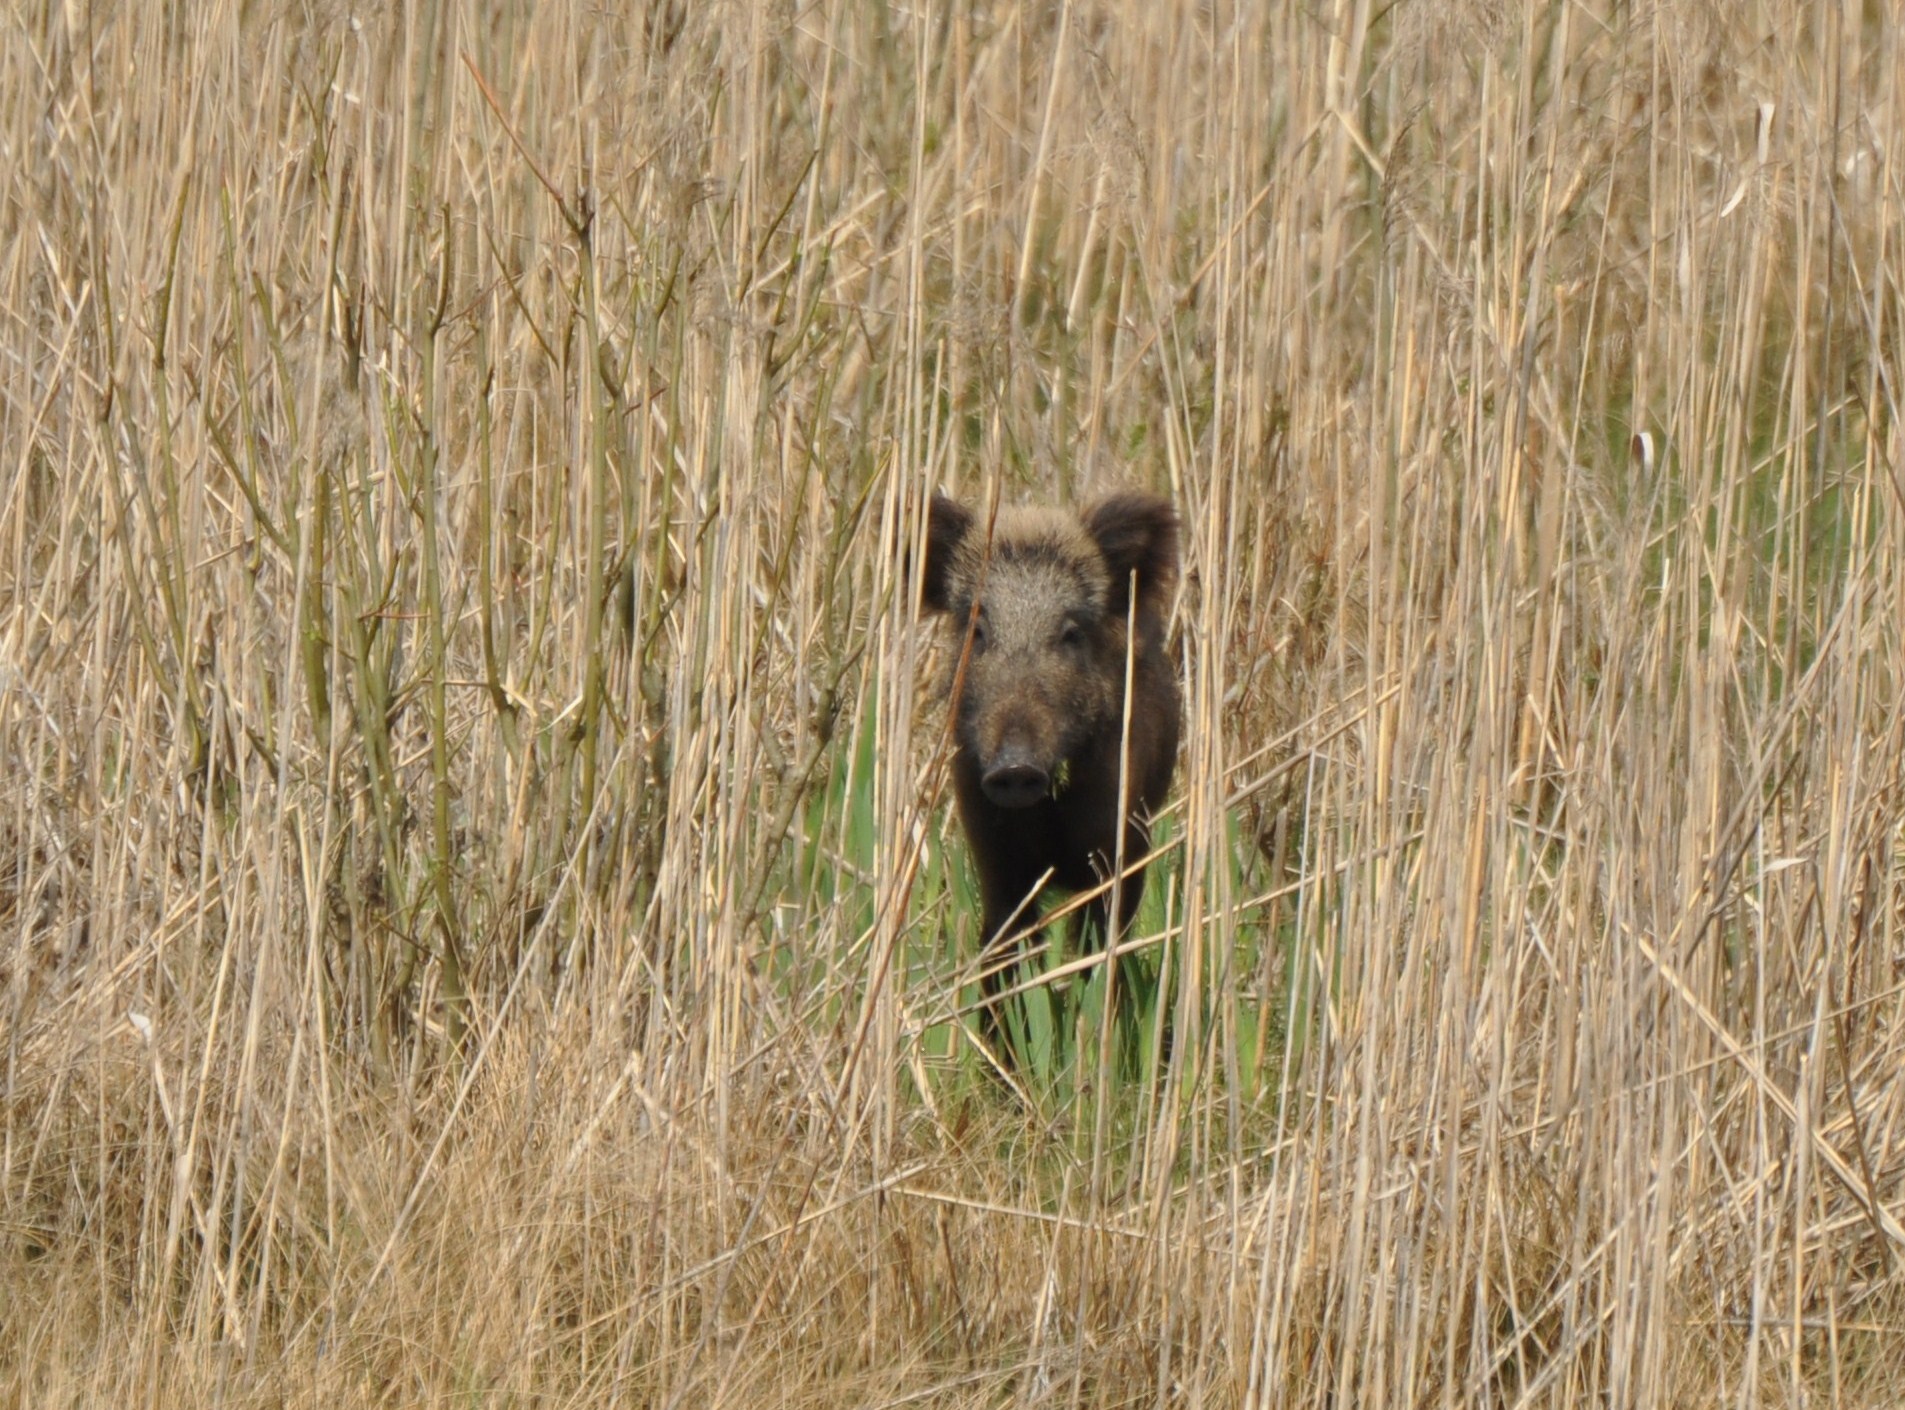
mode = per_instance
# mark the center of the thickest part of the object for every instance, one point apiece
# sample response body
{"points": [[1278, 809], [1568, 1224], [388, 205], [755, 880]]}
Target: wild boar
{"points": [[1043, 613]]}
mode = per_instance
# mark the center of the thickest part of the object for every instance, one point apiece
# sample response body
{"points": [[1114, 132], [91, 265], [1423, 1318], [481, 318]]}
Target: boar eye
{"points": [[1071, 634], [979, 633]]}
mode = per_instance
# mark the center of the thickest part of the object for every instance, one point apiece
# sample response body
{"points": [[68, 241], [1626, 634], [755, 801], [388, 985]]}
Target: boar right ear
{"points": [[1137, 533], [947, 525]]}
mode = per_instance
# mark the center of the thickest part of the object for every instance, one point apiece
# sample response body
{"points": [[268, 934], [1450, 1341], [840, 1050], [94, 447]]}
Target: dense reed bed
{"points": [[480, 922]]}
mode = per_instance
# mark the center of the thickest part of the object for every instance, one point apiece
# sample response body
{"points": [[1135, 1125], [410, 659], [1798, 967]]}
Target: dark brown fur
{"points": [[1038, 695]]}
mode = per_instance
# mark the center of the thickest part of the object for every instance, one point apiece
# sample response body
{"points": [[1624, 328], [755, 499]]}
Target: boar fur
{"points": [[1042, 610]]}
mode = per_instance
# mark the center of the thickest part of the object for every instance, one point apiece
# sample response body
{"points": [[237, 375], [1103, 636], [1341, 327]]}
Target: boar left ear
{"points": [[1137, 532], [947, 524]]}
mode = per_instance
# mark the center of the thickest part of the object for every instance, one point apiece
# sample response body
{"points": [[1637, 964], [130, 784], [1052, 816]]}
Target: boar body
{"points": [[1044, 617]]}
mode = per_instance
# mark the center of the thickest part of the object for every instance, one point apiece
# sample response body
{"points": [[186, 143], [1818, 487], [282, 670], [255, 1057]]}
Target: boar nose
{"points": [[1016, 782]]}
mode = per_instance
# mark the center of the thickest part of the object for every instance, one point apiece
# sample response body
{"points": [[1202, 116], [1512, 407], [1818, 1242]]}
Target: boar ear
{"points": [[947, 525], [1137, 532]]}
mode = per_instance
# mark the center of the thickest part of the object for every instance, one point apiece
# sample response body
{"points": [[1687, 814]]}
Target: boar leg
{"points": [[1091, 933], [1008, 911]]}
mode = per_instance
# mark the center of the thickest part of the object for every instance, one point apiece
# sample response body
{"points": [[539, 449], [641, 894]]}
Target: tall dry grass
{"points": [[422, 988]]}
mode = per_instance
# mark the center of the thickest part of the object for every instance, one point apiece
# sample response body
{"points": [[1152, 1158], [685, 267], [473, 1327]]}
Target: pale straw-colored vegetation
{"points": [[419, 988]]}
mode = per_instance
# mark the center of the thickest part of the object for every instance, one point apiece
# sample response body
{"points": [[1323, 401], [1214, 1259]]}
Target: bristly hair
{"points": [[957, 549], [1125, 532]]}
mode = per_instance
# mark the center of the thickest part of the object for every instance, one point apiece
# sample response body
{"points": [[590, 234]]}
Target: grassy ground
{"points": [[479, 918]]}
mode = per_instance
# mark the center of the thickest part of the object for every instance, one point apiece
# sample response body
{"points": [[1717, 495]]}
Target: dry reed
{"points": [[478, 918]]}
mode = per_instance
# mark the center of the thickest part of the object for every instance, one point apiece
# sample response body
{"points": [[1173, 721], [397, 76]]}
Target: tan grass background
{"points": [[416, 990]]}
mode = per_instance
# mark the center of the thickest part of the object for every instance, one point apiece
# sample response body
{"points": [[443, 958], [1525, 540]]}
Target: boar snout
{"points": [[1015, 781]]}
